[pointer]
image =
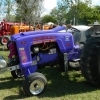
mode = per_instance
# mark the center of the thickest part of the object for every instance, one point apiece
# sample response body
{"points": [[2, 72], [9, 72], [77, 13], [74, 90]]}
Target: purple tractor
{"points": [[32, 50]]}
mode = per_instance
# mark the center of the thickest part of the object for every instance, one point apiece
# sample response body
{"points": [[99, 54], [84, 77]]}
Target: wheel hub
{"points": [[36, 87], [4, 40]]}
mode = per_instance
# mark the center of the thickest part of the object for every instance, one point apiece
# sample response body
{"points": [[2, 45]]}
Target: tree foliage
{"points": [[67, 11], [81, 13], [7, 9], [48, 18], [29, 10], [76, 11]]}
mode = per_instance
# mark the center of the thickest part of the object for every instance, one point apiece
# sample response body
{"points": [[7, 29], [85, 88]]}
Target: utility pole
{"points": [[74, 20]]}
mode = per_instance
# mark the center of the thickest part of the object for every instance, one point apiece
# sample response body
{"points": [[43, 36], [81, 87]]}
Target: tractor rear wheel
{"points": [[16, 74], [90, 61]]}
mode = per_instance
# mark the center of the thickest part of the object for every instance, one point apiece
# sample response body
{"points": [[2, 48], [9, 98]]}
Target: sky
{"points": [[96, 2], [49, 5]]}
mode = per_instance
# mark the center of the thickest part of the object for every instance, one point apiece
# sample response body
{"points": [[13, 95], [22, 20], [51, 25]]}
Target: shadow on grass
{"points": [[59, 84], [65, 84], [9, 82]]}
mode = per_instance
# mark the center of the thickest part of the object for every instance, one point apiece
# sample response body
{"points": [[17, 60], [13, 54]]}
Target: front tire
{"points": [[34, 84], [90, 61]]}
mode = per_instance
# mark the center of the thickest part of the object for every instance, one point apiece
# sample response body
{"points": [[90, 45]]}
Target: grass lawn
{"points": [[61, 86]]}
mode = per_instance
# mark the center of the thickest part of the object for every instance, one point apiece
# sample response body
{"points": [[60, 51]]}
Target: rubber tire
{"points": [[8, 44], [2, 38], [14, 74], [61, 63], [90, 61], [28, 80]]}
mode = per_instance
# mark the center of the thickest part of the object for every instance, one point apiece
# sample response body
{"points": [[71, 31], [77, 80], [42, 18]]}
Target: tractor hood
{"points": [[57, 29]]}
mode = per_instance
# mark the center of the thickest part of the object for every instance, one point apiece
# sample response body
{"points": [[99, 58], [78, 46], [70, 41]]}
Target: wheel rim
{"points": [[4, 40], [36, 87]]}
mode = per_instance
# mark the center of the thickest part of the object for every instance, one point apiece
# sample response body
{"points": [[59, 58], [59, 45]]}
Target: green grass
{"points": [[61, 86]]}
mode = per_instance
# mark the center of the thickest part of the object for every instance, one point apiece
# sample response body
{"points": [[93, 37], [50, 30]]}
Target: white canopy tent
{"points": [[50, 23]]}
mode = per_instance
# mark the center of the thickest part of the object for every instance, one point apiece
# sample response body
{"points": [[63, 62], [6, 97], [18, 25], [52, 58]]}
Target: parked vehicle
{"points": [[35, 49], [9, 28], [5, 30]]}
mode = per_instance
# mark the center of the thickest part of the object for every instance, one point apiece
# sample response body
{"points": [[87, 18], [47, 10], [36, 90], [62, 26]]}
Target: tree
{"points": [[59, 13], [96, 13], [9, 9], [54, 14], [6, 9], [76, 10], [1, 9], [48, 18], [29, 10], [62, 13], [81, 14]]}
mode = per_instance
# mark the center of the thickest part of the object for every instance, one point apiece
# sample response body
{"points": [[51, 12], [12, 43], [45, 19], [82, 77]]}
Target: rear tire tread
{"points": [[89, 61]]}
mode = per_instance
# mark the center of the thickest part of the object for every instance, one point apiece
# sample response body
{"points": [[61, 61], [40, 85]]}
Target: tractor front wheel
{"points": [[34, 84], [90, 61]]}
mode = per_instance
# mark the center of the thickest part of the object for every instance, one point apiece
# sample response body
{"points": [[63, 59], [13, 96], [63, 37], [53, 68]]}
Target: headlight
{"points": [[3, 62]]}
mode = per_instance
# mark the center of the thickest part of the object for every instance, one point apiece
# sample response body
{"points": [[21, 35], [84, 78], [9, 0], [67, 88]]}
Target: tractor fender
{"points": [[61, 45]]}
